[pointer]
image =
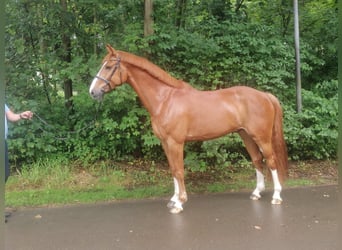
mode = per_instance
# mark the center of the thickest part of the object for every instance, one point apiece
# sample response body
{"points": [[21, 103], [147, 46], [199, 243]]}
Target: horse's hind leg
{"points": [[257, 160], [268, 154]]}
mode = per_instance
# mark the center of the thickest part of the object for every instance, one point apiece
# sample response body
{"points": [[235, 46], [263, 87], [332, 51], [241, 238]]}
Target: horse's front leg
{"points": [[174, 153], [178, 199]]}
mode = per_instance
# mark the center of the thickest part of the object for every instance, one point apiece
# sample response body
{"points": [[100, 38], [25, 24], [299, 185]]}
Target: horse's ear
{"points": [[110, 49]]}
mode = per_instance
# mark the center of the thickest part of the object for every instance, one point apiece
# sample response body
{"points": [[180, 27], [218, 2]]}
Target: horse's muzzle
{"points": [[97, 94]]}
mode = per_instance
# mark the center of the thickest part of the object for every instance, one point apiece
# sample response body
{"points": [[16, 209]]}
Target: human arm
{"points": [[14, 117]]}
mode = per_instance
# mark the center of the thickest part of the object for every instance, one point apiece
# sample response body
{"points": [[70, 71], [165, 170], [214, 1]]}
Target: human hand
{"points": [[26, 115]]}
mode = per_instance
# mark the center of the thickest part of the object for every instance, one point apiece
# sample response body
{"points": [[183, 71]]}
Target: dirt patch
{"points": [[323, 171], [82, 179]]}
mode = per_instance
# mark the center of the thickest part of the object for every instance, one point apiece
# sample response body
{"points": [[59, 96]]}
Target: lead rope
{"points": [[73, 132]]}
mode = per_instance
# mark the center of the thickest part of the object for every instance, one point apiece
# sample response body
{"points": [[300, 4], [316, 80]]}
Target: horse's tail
{"points": [[278, 141]]}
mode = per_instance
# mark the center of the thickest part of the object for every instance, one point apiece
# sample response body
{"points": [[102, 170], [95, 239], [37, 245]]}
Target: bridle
{"points": [[116, 66]]}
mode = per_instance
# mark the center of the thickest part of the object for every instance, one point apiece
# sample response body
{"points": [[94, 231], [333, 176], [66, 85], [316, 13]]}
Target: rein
{"points": [[116, 66], [67, 133]]}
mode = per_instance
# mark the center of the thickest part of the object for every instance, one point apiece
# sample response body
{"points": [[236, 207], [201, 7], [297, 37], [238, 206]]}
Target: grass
{"points": [[57, 182], [52, 197]]}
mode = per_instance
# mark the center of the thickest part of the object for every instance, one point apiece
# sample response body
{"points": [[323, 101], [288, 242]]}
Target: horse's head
{"points": [[111, 75]]}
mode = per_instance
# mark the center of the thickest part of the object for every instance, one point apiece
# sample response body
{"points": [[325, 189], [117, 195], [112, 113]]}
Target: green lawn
{"points": [[54, 183]]}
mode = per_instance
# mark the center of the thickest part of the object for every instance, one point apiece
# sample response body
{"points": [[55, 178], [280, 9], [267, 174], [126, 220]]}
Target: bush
{"points": [[312, 134], [221, 153], [209, 56]]}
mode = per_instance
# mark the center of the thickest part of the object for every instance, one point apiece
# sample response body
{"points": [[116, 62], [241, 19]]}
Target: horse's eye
{"points": [[108, 67]]}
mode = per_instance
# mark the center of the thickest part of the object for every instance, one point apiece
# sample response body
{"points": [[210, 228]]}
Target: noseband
{"points": [[116, 66]]}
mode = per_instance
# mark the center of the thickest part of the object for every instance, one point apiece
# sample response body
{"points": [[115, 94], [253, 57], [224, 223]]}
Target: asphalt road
{"points": [[307, 219]]}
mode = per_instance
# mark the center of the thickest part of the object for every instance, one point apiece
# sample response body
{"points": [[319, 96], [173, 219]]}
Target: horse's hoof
{"points": [[276, 202], [254, 197], [171, 204], [176, 210]]}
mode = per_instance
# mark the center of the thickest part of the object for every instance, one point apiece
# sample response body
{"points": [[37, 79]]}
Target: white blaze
{"points": [[92, 86]]}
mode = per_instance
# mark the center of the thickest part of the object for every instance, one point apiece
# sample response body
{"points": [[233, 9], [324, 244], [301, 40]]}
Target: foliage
{"points": [[224, 152], [213, 44], [312, 134]]}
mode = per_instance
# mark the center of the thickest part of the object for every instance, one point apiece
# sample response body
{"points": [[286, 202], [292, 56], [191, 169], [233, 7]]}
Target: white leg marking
{"points": [[260, 185], [175, 197], [175, 204], [276, 199]]}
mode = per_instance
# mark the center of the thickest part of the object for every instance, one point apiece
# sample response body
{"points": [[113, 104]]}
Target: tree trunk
{"points": [[148, 20], [180, 11], [66, 43]]}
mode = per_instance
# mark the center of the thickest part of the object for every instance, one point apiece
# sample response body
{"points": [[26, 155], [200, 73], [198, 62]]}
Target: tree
{"points": [[66, 55], [54, 48], [148, 20], [180, 13]]}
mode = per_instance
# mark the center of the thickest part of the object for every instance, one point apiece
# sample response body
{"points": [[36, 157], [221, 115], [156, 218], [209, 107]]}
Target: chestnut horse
{"points": [[180, 113]]}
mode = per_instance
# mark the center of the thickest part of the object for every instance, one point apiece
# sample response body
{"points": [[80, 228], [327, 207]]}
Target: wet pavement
{"points": [[306, 220]]}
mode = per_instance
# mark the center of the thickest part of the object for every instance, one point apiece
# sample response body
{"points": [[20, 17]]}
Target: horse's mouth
{"points": [[97, 96]]}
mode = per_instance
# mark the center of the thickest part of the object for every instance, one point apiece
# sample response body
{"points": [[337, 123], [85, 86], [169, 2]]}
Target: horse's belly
{"points": [[211, 125]]}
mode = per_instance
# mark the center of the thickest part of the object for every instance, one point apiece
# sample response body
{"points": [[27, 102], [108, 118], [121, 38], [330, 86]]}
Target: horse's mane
{"points": [[151, 68]]}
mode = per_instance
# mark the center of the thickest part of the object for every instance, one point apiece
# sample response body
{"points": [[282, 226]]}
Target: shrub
{"points": [[312, 134]]}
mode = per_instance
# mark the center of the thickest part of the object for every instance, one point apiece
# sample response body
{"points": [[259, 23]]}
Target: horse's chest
{"points": [[157, 129], [164, 128]]}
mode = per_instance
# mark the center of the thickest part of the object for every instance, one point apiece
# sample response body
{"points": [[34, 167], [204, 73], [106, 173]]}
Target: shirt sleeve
{"points": [[6, 127]]}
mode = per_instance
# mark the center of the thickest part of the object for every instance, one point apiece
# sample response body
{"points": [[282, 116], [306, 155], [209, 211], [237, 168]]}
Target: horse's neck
{"points": [[151, 91]]}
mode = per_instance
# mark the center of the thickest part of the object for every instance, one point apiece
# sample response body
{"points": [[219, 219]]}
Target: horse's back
{"points": [[210, 114]]}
